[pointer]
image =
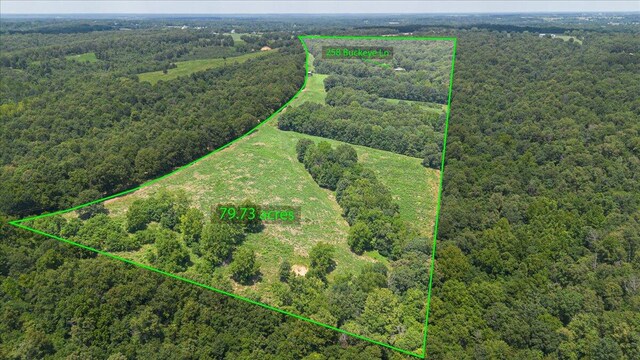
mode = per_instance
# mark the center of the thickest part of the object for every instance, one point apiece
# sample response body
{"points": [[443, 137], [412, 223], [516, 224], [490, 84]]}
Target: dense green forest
{"points": [[172, 232], [424, 76], [538, 252], [539, 241], [389, 108], [83, 132]]}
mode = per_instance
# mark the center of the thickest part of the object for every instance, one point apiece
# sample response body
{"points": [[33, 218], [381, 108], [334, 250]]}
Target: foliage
{"points": [[284, 271], [403, 128], [164, 207], [191, 223], [244, 267], [321, 259], [538, 244], [169, 253], [102, 232], [218, 241], [88, 127]]}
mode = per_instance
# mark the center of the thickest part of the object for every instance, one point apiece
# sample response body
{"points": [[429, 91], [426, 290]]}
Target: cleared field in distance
{"points": [[237, 37], [185, 68], [567, 37], [86, 57], [436, 108]]}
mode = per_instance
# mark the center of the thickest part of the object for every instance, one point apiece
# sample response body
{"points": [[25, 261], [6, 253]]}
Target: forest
{"points": [[356, 117], [79, 132], [174, 232], [538, 252]]}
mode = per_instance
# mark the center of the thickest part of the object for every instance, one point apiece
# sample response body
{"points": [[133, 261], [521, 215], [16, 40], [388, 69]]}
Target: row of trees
{"points": [[402, 87], [366, 203], [359, 118]]}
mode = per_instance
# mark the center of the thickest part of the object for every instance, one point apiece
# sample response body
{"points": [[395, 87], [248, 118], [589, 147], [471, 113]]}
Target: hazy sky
{"points": [[302, 6]]}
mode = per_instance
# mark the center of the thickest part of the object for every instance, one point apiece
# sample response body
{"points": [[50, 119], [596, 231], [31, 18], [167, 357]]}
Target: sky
{"points": [[8, 7]]}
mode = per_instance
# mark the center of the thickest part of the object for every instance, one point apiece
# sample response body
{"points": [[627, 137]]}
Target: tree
{"points": [[346, 155], [170, 254], [103, 233], [244, 267], [284, 272], [360, 237], [191, 224], [381, 312], [408, 273], [218, 240], [321, 259], [87, 212], [138, 216], [302, 146]]}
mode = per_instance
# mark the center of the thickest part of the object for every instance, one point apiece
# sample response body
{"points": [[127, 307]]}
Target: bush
{"points": [[244, 267]]}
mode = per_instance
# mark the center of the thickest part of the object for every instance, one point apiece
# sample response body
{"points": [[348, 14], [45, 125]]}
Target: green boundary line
{"points": [[435, 226], [17, 223]]}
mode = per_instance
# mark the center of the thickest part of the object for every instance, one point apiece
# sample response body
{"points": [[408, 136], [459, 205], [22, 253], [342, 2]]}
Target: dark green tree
{"points": [[244, 268]]}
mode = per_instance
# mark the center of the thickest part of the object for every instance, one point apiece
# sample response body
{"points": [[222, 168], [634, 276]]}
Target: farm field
{"points": [[185, 68], [86, 57], [237, 37], [263, 168]]}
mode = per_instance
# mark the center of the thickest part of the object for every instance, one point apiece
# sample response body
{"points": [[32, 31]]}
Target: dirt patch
{"points": [[199, 176], [299, 270]]}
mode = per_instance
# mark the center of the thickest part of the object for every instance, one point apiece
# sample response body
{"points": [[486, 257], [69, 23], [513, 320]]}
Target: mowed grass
{"points": [[313, 92], [86, 57], [184, 68]]}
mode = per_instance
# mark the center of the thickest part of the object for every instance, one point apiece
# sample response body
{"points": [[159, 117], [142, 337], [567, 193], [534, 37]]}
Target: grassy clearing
{"points": [[236, 37], [185, 68], [314, 92], [86, 57], [436, 108], [567, 37], [263, 168]]}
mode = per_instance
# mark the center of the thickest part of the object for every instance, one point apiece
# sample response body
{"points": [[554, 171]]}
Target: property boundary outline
{"points": [[302, 38]]}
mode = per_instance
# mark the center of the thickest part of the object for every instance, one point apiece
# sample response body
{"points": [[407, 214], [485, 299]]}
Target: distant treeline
{"points": [[62, 29], [492, 27]]}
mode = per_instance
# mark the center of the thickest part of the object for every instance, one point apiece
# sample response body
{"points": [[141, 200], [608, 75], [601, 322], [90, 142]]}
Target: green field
{"points": [[436, 108], [185, 68], [236, 37], [86, 57], [314, 91], [567, 37], [263, 168]]}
